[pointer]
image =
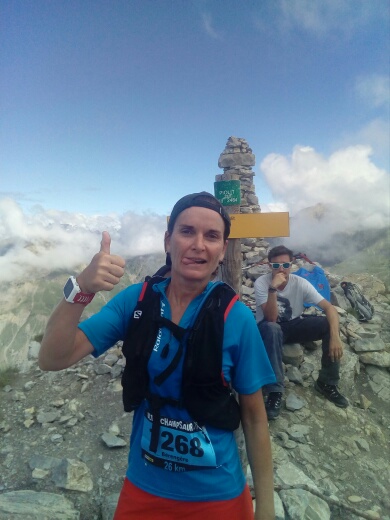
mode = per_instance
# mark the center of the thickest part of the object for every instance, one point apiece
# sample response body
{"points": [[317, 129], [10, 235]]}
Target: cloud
{"points": [[274, 207], [347, 180], [341, 17], [54, 240], [374, 90], [373, 95], [207, 23], [376, 135], [349, 193], [334, 202]]}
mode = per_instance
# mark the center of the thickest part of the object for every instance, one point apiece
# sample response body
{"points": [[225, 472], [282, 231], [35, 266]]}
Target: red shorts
{"points": [[135, 504]]}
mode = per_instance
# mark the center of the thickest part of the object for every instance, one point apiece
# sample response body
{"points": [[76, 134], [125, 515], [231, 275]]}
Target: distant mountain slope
{"points": [[332, 235], [374, 259], [25, 306]]}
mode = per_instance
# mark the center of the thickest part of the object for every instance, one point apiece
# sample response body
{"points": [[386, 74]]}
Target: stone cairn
{"points": [[237, 160]]}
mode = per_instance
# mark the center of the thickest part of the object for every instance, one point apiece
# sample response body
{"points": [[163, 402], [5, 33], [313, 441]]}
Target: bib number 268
{"points": [[181, 444]]}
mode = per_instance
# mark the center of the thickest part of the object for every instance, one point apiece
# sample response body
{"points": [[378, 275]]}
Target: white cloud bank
{"points": [[51, 240], [345, 192], [350, 193], [348, 179]]}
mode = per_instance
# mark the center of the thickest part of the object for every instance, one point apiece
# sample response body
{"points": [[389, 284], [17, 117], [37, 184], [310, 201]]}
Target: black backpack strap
{"points": [[158, 380], [177, 331], [138, 344], [162, 272], [234, 299], [204, 363], [180, 333], [216, 307], [156, 403], [206, 395]]}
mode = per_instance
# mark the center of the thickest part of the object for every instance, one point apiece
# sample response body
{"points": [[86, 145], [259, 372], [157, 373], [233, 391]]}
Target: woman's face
{"points": [[196, 244]]}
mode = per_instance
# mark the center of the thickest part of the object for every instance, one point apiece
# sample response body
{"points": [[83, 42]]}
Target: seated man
{"points": [[279, 306]]}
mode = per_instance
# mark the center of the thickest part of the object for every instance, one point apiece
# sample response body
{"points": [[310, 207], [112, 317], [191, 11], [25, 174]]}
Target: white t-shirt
{"points": [[290, 299]]}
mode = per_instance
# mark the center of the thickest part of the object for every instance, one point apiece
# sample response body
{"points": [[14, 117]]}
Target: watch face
{"points": [[68, 288]]}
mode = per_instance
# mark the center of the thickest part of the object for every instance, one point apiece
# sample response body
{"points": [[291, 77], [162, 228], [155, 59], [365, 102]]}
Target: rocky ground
{"points": [[64, 436], [64, 416]]}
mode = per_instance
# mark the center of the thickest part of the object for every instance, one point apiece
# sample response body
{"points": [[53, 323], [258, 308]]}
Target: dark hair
{"points": [[201, 200], [280, 250]]}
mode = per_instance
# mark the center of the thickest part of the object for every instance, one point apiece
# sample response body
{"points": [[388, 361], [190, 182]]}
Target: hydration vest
{"points": [[204, 392]]}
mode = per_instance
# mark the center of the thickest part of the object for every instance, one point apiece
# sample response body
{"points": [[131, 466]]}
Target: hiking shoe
{"points": [[273, 405], [332, 394]]}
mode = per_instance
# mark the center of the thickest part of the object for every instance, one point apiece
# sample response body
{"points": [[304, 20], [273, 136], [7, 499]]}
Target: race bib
{"points": [[182, 445]]}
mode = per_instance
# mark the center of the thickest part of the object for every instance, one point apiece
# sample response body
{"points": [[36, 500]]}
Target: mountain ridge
{"points": [[63, 433], [26, 306]]}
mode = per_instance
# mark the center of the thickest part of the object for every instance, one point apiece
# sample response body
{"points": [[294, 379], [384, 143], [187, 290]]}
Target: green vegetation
{"points": [[353, 312], [374, 259], [31, 303], [7, 376]]}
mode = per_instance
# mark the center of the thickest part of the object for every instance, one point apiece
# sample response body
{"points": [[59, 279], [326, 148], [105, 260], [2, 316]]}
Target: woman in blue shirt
{"points": [[194, 470]]}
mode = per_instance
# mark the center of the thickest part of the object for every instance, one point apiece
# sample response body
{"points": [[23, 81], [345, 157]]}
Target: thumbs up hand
{"points": [[105, 243], [104, 271]]}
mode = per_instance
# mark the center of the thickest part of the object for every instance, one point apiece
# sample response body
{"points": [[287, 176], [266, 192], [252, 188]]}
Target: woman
{"points": [[192, 470]]}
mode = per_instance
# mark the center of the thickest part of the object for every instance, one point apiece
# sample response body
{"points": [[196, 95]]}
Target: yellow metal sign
{"points": [[259, 225]]}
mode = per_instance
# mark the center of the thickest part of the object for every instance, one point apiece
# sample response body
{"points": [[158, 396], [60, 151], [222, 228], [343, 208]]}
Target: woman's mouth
{"points": [[198, 261]]}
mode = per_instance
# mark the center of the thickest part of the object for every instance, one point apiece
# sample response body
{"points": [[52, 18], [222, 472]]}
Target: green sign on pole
{"points": [[228, 192]]}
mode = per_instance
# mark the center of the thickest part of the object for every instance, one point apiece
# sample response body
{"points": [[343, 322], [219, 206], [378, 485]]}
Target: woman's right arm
{"points": [[63, 343]]}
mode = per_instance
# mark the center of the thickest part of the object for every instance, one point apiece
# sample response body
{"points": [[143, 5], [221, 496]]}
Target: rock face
{"points": [[31, 505], [339, 453], [64, 436]]}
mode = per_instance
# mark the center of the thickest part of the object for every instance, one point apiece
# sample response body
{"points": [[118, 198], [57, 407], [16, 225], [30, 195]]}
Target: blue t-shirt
{"points": [[191, 463]]}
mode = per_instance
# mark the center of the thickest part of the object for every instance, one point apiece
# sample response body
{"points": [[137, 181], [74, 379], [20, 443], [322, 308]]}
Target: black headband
{"points": [[200, 200]]}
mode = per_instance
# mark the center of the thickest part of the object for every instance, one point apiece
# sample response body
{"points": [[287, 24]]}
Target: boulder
{"points": [[33, 505]]}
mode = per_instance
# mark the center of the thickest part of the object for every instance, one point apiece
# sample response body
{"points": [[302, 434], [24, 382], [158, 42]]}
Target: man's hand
{"points": [[335, 344], [335, 348], [279, 279], [104, 271]]}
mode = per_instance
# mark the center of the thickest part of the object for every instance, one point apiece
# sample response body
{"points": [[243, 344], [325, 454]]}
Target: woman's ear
{"points": [[222, 256]]}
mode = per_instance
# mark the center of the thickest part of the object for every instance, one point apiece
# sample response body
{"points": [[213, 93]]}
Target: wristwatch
{"points": [[73, 293], [272, 289]]}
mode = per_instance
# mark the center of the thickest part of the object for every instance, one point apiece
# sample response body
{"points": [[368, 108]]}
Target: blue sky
{"points": [[124, 106]]}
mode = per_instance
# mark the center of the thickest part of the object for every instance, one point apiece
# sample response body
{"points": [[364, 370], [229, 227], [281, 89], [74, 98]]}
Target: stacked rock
{"points": [[237, 160]]}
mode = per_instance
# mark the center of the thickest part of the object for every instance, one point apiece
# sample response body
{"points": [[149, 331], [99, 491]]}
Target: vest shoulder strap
{"points": [[200, 363]]}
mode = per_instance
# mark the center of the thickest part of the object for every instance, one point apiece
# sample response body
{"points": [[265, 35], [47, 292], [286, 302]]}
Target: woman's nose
{"points": [[198, 241]]}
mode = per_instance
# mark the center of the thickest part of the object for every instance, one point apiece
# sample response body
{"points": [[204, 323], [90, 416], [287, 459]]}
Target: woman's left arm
{"points": [[258, 446]]}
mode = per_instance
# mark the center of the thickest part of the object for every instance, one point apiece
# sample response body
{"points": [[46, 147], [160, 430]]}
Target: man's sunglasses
{"points": [[276, 265]]}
